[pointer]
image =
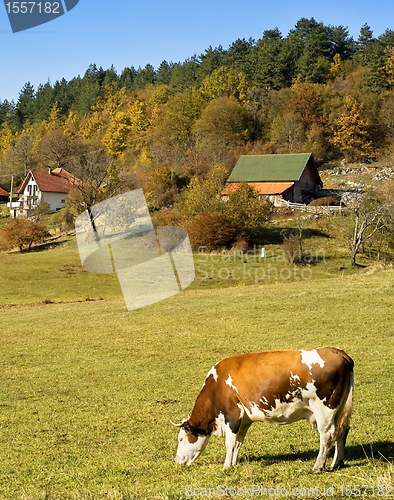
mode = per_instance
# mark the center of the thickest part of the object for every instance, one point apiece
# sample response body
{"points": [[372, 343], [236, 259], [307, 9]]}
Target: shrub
{"points": [[292, 248], [211, 230], [22, 232]]}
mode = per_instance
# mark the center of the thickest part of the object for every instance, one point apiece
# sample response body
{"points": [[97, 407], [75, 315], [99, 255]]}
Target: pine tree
{"points": [[25, 108]]}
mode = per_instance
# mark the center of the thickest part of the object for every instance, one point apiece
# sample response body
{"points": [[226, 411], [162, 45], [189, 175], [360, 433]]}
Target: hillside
{"points": [[315, 90]]}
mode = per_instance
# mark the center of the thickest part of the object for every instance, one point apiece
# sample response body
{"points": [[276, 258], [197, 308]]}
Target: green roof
{"points": [[270, 168]]}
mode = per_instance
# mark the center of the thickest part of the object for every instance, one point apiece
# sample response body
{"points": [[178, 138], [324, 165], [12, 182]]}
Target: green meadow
{"points": [[88, 388]]}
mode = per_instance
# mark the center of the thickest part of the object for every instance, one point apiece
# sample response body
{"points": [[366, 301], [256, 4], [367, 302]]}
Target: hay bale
{"points": [[325, 201]]}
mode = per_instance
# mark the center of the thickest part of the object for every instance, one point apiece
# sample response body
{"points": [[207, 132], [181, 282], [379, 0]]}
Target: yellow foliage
{"points": [[112, 99], [7, 138], [160, 95], [55, 119], [350, 133], [225, 82], [115, 139], [92, 125], [336, 66], [71, 124], [137, 116], [389, 67]]}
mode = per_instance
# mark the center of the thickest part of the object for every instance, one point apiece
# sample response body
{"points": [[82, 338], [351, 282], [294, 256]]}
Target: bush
{"points": [[167, 217], [22, 232], [211, 230]]}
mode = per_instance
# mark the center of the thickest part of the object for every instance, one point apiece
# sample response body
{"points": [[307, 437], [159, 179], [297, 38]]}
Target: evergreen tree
{"points": [[341, 43], [164, 73], [111, 76], [7, 112], [268, 60], [145, 76], [127, 77], [65, 93], [184, 75], [88, 89], [43, 101], [238, 56], [25, 105], [387, 38], [210, 61]]}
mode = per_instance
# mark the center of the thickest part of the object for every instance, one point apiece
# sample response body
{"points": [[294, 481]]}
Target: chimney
{"points": [[49, 171]]}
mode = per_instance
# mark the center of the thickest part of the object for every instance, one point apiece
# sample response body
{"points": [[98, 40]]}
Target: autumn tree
{"points": [[22, 232], [224, 125], [20, 159], [287, 133], [350, 131], [115, 138], [203, 193], [224, 82], [7, 138], [174, 126], [248, 213]]}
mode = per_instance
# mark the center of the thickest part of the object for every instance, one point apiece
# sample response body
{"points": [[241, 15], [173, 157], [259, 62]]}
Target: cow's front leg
{"points": [[234, 442]]}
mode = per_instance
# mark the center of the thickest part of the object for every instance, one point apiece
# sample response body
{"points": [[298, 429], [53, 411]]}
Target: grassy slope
{"points": [[88, 389]]}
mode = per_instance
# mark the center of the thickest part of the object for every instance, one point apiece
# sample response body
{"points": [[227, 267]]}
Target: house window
{"points": [[29, 189]]}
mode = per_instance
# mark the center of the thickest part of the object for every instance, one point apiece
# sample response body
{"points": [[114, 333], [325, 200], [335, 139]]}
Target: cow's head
{"points": [[191, 443]]}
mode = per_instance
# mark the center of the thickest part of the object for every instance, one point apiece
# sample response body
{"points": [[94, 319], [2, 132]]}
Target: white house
{"points": [[51, 187]]}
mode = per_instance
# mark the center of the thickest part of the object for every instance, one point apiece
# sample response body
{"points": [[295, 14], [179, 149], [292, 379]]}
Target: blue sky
{"points": [[135, 33]]}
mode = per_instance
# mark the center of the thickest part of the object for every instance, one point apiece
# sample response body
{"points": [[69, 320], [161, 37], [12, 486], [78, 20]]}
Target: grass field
{"points": [[88, 389]]}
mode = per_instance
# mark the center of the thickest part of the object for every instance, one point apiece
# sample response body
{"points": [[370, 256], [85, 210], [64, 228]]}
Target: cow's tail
{"points": [[345, 409]]}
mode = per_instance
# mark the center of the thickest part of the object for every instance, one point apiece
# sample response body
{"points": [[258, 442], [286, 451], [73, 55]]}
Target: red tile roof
{"points": [[260, 187], [3, 192], [55, 181]]}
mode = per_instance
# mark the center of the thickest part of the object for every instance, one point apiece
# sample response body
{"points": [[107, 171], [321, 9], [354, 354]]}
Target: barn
{"points": [[280, 177]]}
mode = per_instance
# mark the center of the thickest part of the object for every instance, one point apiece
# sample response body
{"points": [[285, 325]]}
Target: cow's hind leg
{"points": [[234, 442], [339, 454], [325, 421]]}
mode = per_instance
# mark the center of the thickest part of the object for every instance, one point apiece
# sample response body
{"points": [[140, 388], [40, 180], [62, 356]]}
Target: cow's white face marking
{"points": [[229, 382], [310, 358], [187, 451]]}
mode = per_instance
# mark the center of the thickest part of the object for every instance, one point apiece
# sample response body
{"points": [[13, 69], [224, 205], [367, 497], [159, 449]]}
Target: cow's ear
{"points": [[187, 427]]}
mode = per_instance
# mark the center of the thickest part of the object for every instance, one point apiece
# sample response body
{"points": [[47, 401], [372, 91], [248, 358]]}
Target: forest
{"points": [[176, 131]]}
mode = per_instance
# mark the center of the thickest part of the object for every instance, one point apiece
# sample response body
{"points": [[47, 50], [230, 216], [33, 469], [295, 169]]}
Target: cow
{"points": [[281, 387]]}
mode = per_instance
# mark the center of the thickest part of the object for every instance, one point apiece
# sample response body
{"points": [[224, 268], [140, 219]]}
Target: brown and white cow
{"points": [[275, 387]]}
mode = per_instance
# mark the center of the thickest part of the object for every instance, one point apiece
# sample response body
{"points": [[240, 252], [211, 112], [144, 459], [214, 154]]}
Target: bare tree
{"points": [[371, 214], [56, 149], [96, 177]]}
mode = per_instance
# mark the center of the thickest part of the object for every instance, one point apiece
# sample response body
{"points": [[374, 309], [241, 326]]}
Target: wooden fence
{"points": [[314, 209]]}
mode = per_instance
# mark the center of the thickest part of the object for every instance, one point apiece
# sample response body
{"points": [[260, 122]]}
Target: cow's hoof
{"points": [[339, 465]]}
